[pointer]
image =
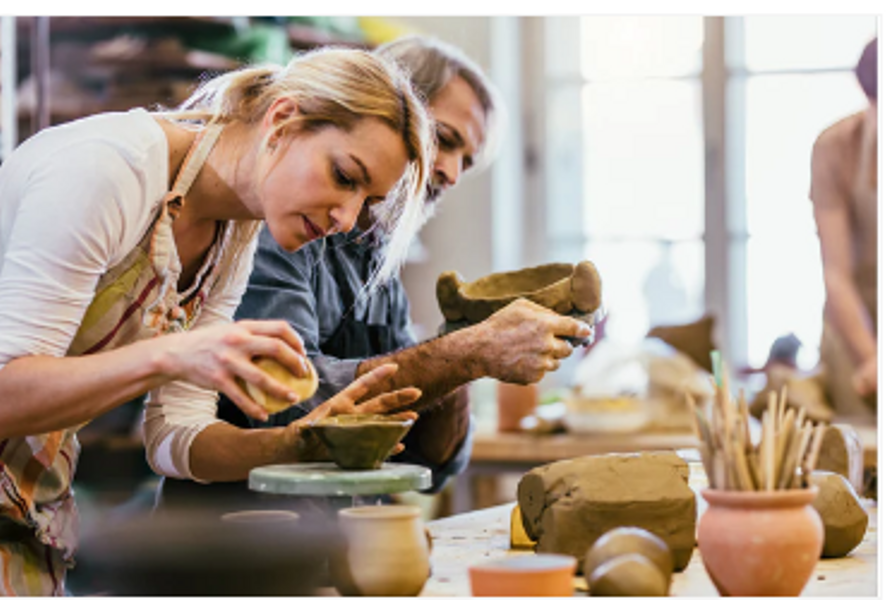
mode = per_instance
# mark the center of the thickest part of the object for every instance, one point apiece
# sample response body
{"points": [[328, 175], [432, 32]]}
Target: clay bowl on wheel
{"points": [[361, 441]]}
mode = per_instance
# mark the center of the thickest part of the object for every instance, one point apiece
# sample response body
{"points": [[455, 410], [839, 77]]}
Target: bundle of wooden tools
{"points": [[785, 455]]}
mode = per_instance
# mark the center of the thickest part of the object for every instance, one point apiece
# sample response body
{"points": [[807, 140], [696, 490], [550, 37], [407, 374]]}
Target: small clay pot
{"points": [[387, 552], [561, 287], [515, 402], [524, 575], [629, 540], [361, 441], [760, 543], [628, 575]]}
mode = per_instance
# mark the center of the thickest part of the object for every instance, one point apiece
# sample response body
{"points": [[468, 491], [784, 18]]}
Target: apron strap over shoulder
{"points": [[193, 162]]}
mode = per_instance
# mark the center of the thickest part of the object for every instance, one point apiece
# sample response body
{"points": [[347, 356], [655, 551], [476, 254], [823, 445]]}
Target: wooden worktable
{"points": [[475, 537]]}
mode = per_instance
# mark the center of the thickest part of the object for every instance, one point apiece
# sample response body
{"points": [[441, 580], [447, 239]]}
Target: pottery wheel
{"points": [[327, 479]]}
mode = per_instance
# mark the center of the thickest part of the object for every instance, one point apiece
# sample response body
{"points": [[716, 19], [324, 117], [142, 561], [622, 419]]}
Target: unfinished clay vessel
{"points": [[841, 452], [561, 287], [760, 543], [387, 552], [361, 441], [843, 518]]}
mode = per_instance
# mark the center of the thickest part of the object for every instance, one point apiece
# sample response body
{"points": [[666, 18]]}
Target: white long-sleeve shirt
{"points": [[74, 201]]}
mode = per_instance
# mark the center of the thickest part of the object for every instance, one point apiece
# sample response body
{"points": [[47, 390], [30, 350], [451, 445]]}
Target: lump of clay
{"points": [[628, 575], [844, 519], [841, 452], [629, 540], [564, 288], [303, 387], [567, 505]]}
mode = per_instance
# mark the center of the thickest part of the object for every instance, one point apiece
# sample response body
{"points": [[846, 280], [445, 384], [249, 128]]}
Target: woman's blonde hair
{"points": [[334, 87]]}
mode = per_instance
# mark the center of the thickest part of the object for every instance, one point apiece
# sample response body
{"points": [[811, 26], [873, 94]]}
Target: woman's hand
{"points": [[218, 357], [349, 401]]}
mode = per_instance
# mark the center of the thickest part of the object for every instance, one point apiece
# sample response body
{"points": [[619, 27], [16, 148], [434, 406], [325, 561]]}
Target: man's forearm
{"points": [[437, 367]]}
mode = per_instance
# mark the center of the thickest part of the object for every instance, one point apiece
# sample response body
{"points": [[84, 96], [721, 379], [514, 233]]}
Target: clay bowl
{"points": [[561, 287], [525, 575], [361, 441]]}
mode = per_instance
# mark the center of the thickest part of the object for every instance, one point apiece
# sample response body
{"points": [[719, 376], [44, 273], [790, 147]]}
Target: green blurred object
{"points": [[258, 43], [343, 27]]}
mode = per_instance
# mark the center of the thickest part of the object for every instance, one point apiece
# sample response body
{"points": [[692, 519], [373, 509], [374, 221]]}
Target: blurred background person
{"points": [[844, 195]]}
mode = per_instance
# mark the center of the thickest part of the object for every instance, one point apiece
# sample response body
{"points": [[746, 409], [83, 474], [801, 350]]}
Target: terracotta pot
{"points": [[525, 575], [387, 552], [515, 402], [760, 543]]}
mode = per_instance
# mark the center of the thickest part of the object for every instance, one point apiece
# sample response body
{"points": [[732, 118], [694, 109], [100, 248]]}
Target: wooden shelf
{"points": [[103, 26]]}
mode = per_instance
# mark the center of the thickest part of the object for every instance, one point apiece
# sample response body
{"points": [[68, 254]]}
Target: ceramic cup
{"points": [[525, 575], [387, 552]]}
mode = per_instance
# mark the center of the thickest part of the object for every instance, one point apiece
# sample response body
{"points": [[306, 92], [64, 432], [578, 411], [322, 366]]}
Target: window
{"points": [[636, 167], [789, 77]]}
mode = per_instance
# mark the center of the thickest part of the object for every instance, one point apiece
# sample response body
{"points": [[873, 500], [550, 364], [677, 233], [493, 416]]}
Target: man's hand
{"points": [[522, 341]]}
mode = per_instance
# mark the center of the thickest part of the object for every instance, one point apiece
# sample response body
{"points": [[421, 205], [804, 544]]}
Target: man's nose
{"points": [[448, 170]]}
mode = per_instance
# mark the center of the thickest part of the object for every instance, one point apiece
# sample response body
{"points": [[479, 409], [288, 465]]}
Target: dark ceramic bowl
{"points": [[361, 441]]}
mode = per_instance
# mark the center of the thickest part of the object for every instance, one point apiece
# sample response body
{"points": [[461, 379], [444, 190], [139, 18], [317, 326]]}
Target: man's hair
{"points": [[432, 63], [867, 70]]}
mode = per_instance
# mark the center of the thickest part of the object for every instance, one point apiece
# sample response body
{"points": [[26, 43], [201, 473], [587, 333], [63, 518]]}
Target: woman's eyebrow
{"points": [[365, 175]]}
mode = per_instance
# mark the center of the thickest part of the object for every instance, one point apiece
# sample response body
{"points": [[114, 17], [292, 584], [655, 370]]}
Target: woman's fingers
{"points": [[319, 412], [386, 403], [237, 394], [276, 329], [406, 415], [292, 357], [250, 373], [358, 388]]}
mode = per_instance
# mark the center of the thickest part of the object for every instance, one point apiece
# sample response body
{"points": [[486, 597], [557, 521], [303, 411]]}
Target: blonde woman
{"points": [[126, 240]]}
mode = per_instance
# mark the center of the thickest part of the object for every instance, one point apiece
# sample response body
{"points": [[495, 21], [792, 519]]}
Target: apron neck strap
{"points": [[193, 162]]}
